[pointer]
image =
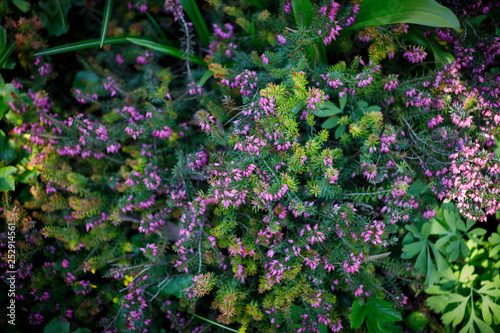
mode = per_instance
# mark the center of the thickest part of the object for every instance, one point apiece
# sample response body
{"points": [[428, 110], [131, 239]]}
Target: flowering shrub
{"points": [[275, 172]]}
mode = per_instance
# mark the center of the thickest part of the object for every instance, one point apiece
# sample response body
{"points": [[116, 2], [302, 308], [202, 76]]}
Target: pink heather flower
{"points": [[359, 291], [119, 60], [143, 8], [435, 121], [264, 59], [281, 39], [194, 88], [224, 35], [65, 263], [288, 7], [415, 55]]}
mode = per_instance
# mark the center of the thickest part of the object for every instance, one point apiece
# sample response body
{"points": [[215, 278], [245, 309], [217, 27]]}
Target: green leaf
{"points": [[6, 52], [3, 39], [423, 12], [55, 16], [82, 45], [82, 330], [6, 178], [159, 29], [208, 74], [5, 97], [416, 321], [257, 3], [328, 109], [57, 326], [339, 131], [449, 218], [22, 5], [302, 10], [357, 315], [177, 285], [194, 14], [343, 101], [456, 315], [330, 123], [477, 232], [426, 229], [488, 305], [165, 49], [8, 153], [411, 250], [105, 21], [383, 310]]}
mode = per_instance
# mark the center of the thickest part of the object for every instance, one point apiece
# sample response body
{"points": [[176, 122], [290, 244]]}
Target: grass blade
{"points": [[81, 45], [4, 56], [205, 77], [105, 21], [159, 29], [424, 12], [215, 323], [61, 13], [175, 52], [194, 14], [302, 10]]}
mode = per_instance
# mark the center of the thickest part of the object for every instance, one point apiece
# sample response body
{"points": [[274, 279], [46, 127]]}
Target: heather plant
{"points": [[251, 166]]}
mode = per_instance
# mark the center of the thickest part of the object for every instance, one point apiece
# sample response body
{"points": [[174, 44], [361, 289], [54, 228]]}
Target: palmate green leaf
{"points": [[423, 12], [194, 14], [469, 327], [165, 49], [456, 315], [376, 311], [491, 288], [328, 109], [488, 308], [105, 21]]}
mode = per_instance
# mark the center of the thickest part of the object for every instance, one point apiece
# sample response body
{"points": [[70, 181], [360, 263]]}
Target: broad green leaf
{"points": [[449, 218], [165, 49], [105, 21], [194, 14], [426, 229], [477, 232], [339, 131], [343, 101], [494, 251], [423, 12], [467, 274], [6, 178], [488, 306], [22, 5], [421, 263], [483, 327], [330, 123], [328, 109], [82, 45], [383, 310], [302, 10], [438, 303], [491, 288], [454, 250], [6, 97], [375, 325], [176, 286], [8, 153], [416, 321], [417, 188], [437, 228], [357, 315], [57, 326], [442, 263]]}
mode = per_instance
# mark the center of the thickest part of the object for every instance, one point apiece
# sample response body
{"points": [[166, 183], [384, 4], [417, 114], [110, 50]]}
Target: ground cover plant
{"points": [[250, 166]]}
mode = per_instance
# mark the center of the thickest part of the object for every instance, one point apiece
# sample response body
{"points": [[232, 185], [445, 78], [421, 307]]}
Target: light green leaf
{"points": [[411, 250], [494, 251], [426, 229], [456, 315], [343, 101], [165, 49], [105, 21], [194, 14], [437, 228], [467, 274], [6, 178], [477, 232], [449, 218], [488, 305], [330, 123], [423, 12]]}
